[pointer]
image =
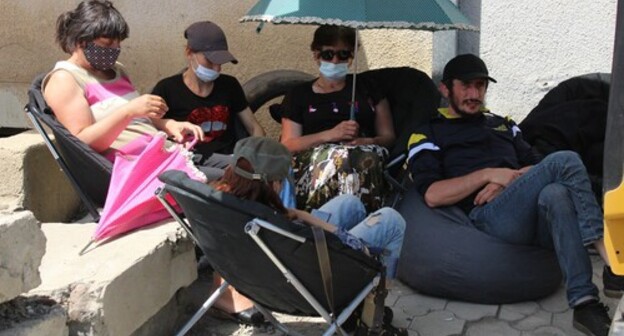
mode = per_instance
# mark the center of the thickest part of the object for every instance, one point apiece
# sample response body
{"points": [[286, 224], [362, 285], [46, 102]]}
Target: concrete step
{"points": [[116, 286], [32, 316], [22, 245], [32, 180]]}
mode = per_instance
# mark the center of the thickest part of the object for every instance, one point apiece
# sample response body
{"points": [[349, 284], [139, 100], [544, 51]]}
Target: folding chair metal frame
{"points": [[38, 112], [253, 229]]}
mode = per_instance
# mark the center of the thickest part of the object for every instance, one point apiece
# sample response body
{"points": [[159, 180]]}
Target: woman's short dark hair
{"points": [[92, 19], [327, 35]]}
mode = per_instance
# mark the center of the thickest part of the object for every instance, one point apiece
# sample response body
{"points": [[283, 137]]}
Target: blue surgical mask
{"points": [[334, 71], [205, 74]]}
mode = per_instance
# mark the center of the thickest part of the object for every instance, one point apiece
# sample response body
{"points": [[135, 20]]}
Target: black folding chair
{"points": [[271, 260], [88, 171], [414, 99]]}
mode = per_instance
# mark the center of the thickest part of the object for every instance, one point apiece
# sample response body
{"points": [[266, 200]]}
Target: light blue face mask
{"points": [[205, 74], [334, 71]]}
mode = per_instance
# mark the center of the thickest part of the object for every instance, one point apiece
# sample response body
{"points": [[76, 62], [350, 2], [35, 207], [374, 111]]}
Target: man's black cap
{"points": [[466, 67]]}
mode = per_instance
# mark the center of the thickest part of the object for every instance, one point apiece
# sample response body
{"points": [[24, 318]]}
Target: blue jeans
{"points": [[552, 206], [383, 228]]}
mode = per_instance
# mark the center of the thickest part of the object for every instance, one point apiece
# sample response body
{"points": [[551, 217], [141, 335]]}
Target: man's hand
{"points": [[488, 193], [503, 176], [500, 178], [524, 169], [484, 182]]}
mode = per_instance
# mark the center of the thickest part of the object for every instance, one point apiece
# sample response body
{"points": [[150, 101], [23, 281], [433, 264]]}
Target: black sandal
{"points": [[250, 316]]}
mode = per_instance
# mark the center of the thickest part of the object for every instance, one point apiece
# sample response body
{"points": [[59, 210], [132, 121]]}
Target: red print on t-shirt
{"points": [[212, 120]]}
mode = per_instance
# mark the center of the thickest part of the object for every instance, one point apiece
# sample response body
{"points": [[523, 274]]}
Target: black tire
{"points": [[264, 87]]}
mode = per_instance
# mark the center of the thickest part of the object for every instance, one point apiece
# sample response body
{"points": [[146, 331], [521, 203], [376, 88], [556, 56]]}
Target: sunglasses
{"points": [[328, 55]]}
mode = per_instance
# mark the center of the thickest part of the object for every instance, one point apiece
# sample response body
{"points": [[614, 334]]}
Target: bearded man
{"points": [[477, 160]]}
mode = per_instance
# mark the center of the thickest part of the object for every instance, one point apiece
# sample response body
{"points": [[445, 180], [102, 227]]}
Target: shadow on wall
{"points": [[6, 132], [452, 43], [467, 41]]}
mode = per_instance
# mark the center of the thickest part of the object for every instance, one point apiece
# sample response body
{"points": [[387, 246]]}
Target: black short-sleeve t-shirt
{"points": [[214, 113], [317, 112]]}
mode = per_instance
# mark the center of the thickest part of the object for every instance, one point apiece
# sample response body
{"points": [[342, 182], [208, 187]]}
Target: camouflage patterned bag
{"points": [[328, 170]]}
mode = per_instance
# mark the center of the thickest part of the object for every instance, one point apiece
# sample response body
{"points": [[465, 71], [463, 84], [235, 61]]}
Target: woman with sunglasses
{"points": [[316, 124]]}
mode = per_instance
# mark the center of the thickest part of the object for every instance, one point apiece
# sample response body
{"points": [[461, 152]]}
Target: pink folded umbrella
{"points": [[131, 202]]}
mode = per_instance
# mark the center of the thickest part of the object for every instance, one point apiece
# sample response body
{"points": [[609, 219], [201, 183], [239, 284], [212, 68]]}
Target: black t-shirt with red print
{"points": [[317, 112], [215, 114]]}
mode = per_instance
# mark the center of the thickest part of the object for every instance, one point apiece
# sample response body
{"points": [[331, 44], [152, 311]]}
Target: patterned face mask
{"points": [[101, 58]]}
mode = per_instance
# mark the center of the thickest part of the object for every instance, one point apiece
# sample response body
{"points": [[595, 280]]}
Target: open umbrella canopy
{"points": [[429, 15]]}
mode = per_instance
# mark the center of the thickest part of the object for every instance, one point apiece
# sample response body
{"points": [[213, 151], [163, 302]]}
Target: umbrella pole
{"points": [[86, 247], [355, 70]]}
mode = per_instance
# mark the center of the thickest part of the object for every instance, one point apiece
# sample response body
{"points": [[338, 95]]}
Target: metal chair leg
{"points": [[204, 308]]}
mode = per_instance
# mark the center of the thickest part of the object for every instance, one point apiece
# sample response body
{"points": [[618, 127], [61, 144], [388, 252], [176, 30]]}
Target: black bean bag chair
{"points": [[444, 255]]}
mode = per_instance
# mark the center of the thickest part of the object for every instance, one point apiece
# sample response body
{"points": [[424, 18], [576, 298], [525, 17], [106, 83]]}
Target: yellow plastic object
{"points": [[614, 228]]}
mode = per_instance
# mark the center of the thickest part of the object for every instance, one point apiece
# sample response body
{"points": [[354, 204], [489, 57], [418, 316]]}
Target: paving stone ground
{"points": [[428, 316]]}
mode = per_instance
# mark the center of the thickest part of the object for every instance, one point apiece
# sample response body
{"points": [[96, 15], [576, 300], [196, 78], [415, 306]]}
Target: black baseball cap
{"points": [[208, 38], [466, 67]]}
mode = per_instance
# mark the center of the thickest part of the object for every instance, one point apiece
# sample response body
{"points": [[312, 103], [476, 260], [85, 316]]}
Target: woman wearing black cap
{"points": [[204, 96]]}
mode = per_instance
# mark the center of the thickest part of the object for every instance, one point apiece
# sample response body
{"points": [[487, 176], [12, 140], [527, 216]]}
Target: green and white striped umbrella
{"points": [[429, 15]]}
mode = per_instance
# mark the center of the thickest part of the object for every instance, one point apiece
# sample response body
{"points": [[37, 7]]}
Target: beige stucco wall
{"points": [[531, 46], [154, 49]]}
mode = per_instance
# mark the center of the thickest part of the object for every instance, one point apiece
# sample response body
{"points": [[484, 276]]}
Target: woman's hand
{"points": [[345, 131], [362, 141], [308, 218], [147, 105], [292, 214], [179, 130]]}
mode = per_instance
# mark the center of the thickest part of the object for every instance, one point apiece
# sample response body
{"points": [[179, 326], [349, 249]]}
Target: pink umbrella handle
{"points": [[191, 144]]}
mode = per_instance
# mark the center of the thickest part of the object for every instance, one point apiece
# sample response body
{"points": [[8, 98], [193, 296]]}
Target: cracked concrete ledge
{"points": [[22, 245], [32, 316], [33, 180], [116, 286]]}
